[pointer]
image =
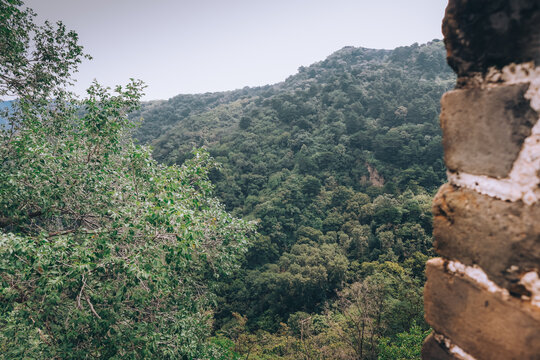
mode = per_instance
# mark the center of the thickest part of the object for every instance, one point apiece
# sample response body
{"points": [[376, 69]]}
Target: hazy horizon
{"points": [[184, 47]]}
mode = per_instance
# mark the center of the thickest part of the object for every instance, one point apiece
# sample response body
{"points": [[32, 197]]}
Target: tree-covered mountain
{"points": [[360, 114], [106, 253], [338, 164]]}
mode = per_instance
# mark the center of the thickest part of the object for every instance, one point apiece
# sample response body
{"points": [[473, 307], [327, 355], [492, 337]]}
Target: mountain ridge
{"points": [[186, 104], [337, 163]]}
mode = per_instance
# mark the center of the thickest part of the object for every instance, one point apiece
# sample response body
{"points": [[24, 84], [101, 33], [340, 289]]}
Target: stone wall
{"points": [[482, 296]]}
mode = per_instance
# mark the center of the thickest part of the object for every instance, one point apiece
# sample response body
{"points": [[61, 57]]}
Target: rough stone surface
{"points": [[484, 129], [483, 298], [483, 324], [432, 350], [483, 33], [503, 238]]}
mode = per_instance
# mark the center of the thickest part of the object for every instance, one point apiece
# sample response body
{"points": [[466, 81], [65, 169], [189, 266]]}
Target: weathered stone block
{"points": [[484, 129], [483, 33], [485, 325], [503, 238], [432, 350]]}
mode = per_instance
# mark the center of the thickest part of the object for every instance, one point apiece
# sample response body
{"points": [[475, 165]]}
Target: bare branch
{"points": [[91, 307]]}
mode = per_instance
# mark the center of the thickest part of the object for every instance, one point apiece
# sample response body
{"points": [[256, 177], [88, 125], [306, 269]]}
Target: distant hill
{"points": [[339, 161], [376, 107]]}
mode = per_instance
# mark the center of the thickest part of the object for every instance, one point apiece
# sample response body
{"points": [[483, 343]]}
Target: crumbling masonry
{"points": [[482, 296]]}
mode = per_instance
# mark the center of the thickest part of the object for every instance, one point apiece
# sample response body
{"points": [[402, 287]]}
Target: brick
{"points": [[479, 34], [484, 129], [494, 234], [485, 325], [432, 350]]}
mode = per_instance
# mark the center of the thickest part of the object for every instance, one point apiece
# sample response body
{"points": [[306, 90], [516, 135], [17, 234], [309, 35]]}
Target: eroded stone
{"points": [[433, 350], [503, 238], [479, 34], [484, 129], [485, 325]]}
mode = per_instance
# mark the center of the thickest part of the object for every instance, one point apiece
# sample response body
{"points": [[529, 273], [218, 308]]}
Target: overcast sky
{"points": [[194, 46]]}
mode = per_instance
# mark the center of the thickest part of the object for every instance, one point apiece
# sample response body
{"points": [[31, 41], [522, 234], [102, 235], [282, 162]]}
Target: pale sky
{"points": [[196, 46]]}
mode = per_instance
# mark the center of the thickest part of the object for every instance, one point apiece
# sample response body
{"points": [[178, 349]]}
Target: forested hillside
{"points": [[338, 165], [308, 241]]}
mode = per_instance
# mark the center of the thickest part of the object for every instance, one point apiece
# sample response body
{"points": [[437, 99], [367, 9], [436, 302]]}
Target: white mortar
{"points": [[473, 273], [453, 348], [531, 282], [522, 181]]}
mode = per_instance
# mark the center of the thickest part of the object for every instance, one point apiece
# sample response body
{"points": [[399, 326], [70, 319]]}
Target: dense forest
{"points": [[337, 165], [288, 221]]}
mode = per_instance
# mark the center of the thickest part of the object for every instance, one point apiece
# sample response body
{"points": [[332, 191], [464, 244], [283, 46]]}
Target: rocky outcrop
{"points": [[482, 296]]}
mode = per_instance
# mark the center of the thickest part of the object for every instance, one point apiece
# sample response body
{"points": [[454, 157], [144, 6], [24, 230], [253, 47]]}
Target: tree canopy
{"points": [[112, 249], [104, 253], [338, 165]]}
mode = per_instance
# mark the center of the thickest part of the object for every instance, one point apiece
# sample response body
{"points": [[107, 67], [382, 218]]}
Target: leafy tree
{"points": [[244, 122], [104, 253], [34, 60], [405, 346], [359, 321]]}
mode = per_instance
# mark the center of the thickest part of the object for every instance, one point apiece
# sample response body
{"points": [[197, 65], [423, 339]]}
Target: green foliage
{"points": [[34, 60], [104, 253], [358, 109], [338, 165], [405, 346], [357, 325]]}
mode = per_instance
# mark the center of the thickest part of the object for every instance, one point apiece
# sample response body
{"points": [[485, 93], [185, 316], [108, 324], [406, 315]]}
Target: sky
{"points": [[196, 46]]}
